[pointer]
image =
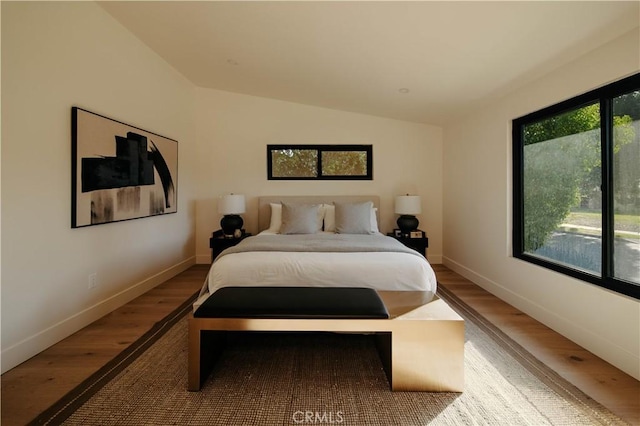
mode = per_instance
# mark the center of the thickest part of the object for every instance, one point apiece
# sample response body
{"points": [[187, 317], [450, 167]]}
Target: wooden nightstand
{"points": [[418, 244], [218, 242]]}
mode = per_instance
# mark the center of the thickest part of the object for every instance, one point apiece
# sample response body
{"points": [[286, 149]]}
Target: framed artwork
{"points": [[119, 172]]}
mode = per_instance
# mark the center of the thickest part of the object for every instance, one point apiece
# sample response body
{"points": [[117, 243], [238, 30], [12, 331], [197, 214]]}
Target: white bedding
{"points": [[379, 270]]}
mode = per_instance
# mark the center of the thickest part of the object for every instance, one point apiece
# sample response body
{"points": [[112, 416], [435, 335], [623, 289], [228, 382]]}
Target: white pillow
{"points": [[330, 219], [301, 218], [276, 218], [374, 220]]}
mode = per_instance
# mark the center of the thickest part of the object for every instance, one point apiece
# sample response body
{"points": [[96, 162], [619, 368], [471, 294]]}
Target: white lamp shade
{"points": [[408, 204], [231, 204]]}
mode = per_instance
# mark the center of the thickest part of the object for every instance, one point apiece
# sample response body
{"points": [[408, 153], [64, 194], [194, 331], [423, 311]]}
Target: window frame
{"points": [[604, 96], [368, 149]]}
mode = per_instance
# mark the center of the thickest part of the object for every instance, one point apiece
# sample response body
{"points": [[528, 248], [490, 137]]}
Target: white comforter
{"points": [[379, 270]]}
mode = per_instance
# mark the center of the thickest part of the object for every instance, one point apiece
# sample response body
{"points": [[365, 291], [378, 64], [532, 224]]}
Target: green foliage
{"points": [[559, 152], [552, 174], [562, 167], [569, 123], [344, 163], [294, 162], [627, 179], [626, 162], [628, 104]]}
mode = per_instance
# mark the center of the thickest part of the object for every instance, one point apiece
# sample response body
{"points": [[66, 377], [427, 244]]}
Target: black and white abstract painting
{"points": [[119, 172]]}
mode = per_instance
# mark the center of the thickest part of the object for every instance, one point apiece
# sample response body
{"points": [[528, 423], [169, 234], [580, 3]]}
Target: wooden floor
{"points": [[33, 386]]}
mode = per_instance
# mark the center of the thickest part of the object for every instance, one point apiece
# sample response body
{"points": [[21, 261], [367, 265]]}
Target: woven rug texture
{"points": [[327, 378]]}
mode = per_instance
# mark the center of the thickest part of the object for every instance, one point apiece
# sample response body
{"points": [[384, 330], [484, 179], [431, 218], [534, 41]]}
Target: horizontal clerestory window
{"points": [[299, 162]]}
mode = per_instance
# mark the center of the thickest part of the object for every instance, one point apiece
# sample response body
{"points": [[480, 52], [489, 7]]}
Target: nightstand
{"points": [[418, 244], [218, 242]]}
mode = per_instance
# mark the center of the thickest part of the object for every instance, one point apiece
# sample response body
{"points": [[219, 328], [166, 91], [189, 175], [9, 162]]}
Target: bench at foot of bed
{"points": [[420, 338]]}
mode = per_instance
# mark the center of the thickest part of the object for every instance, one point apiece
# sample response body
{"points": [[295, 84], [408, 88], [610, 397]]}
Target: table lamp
{"points": [[231, 206], [407, 206]]}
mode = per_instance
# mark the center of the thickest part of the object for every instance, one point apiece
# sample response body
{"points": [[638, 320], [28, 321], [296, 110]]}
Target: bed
{"points": [[336, 244], [322, 258]]}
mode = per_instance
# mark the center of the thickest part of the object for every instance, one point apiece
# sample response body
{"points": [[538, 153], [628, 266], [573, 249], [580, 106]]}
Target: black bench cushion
{"points": [[293, 302]]}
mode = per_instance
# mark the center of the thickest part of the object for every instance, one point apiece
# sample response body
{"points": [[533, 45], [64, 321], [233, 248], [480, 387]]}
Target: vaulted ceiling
{"points": [[415, 61]]}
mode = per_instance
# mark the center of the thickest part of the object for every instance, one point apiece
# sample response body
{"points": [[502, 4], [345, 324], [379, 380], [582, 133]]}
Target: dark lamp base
{"points": [[229, 223], [407, 223]]}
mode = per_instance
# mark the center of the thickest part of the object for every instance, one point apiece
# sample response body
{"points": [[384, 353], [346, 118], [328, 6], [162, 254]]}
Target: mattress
{"points": [[382, 267]]}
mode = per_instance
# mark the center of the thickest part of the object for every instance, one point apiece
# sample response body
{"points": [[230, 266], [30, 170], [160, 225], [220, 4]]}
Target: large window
{"points": [[320, 162], [576, 199]]}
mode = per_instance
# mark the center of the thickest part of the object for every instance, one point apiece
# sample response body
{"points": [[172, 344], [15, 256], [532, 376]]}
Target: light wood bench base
{"points": [[421, 345]]}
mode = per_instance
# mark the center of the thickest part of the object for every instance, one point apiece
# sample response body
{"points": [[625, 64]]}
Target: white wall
{"points": [[56, 55], [233, 132], [477, 206]]}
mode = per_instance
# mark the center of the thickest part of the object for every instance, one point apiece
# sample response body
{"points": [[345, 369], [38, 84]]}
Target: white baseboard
{"points": [[33, 345], [596, 344], [473, 276]]}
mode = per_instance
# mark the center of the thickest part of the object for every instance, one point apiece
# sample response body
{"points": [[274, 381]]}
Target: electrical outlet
{"points": [[93, 280]]}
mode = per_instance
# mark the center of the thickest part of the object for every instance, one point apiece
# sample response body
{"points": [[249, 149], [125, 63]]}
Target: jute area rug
{"points": [[323, 378]]}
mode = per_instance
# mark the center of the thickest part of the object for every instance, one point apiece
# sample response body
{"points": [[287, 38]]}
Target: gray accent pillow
{"points": [[354, 218], [300, 219]]}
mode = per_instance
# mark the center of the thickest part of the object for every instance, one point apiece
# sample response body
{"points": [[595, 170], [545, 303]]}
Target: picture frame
{"points": [[397, 233], [119, 171]]}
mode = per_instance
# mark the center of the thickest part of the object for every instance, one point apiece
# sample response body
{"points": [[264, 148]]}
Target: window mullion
{"points": [[606, 129], [319, 164], [517, 132]]}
